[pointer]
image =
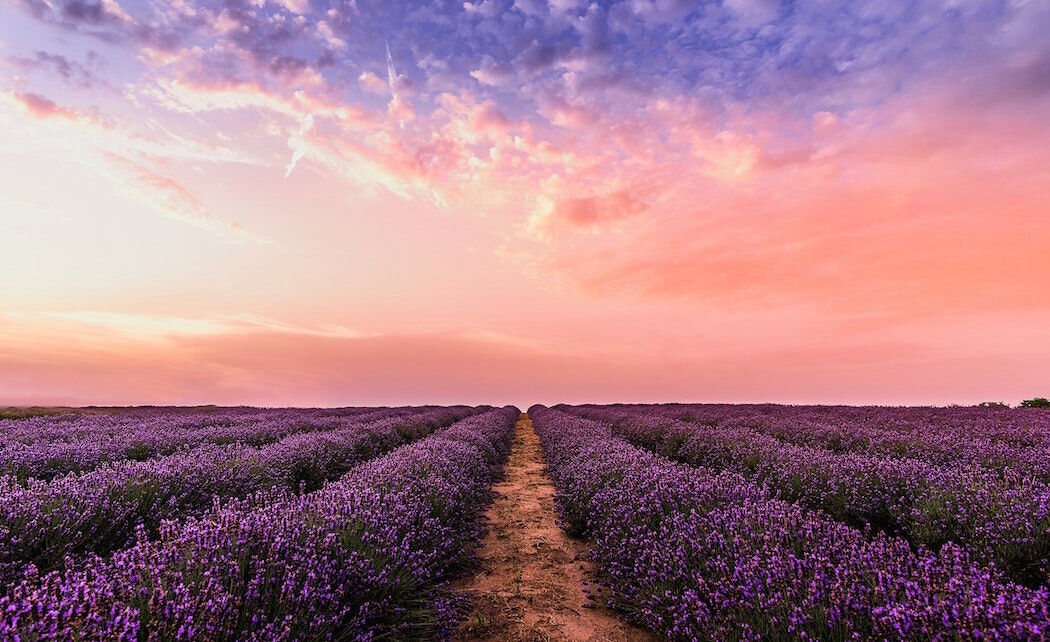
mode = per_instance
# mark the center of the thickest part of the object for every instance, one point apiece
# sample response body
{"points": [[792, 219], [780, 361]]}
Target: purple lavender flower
{"points": [[697, 554]]}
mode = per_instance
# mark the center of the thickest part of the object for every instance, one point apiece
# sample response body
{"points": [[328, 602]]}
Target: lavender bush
{"points": [[1000, 439], [366, 557], [697, 554], [1000, 517], [43, 523], [48, 446]]}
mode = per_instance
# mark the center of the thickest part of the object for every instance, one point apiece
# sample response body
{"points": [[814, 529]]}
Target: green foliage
{"points": [[992, 404], [1038, 402]]}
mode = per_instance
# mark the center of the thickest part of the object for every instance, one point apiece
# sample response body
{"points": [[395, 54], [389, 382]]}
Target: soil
{"points": [[529, 586]]}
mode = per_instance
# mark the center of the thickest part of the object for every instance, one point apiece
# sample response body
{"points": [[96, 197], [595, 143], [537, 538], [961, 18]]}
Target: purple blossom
{"points": [[100, 511], [696, 553], [366, 556]]}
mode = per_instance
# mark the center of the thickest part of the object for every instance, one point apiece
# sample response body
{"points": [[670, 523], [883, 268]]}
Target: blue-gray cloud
{"points": [[796, 57]]}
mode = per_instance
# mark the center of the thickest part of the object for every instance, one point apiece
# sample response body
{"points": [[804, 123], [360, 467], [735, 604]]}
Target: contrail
{"points": [[391, 79], [391, 73]]}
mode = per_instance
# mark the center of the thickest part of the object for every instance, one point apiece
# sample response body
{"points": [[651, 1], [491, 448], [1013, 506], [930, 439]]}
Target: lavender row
{"points": [[224, 424], [41, 523], [363, 558], [45, 447], [997, 519], [1007, 440], [695, 554]]}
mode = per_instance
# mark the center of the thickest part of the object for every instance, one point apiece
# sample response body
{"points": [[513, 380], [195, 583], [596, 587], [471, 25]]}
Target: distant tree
{"points": [[992, 404], [1038, 402]]}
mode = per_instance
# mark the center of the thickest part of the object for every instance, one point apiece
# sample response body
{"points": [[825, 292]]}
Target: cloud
{"points": [[327, 34], [493, 72], [135, 359], [754, 12], [533, 8], [483, 8], [295, 6], [40, 106], [584, 211], [71, 71], [161, 327], [902, 219], [564, 6], [225, 361], [100, 12], [538, 57], [234, 362], [298, 150], [171, 198], [205, 98], [107, 21], [660, 12], [372, 83]]}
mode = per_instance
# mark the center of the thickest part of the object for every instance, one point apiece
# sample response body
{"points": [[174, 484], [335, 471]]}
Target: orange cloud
{"points": [[924, 207], [280, 368]]}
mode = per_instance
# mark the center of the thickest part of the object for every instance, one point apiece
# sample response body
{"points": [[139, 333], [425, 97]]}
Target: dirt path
{"points": [[529, 586]]}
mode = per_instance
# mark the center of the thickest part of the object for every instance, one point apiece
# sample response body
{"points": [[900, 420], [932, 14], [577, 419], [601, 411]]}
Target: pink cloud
{"points": [[583, 211], [172, 197], [372, 83], [267, 368], [42, 107]]}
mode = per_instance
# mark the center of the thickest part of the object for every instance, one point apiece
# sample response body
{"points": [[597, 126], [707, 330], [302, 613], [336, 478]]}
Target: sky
{"points": [[314, 202]]}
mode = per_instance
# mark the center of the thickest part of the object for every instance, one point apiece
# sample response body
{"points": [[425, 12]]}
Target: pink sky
{"points": [[328, 203]]}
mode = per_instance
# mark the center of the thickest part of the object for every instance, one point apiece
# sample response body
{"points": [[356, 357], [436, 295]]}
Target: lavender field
{"points": [[684, 522], [255, 250]]}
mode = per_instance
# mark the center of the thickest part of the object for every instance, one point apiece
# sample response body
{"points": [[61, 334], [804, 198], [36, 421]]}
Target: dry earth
{"points": [[530, 583]]}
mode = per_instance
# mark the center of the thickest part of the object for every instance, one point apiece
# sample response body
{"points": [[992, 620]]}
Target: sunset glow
{"points": [[330, 202]]}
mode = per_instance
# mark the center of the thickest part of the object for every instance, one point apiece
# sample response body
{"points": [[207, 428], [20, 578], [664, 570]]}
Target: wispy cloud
{"points": [[39, 106], [79, 74], [135, 325]]}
